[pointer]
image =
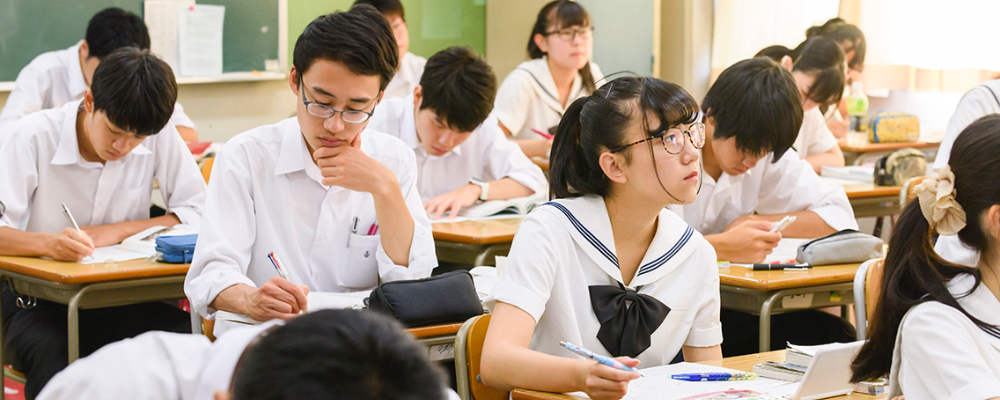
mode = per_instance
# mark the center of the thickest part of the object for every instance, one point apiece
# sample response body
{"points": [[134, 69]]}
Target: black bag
{"points": [[440, 299]]}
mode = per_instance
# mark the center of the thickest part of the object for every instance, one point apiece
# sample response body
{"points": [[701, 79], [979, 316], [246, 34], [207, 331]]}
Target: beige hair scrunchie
{"points": [[937, 202]]}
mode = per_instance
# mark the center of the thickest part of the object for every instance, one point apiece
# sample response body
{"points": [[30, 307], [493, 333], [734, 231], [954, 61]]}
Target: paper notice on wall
{"points": [[200, 39], [161, 21]]}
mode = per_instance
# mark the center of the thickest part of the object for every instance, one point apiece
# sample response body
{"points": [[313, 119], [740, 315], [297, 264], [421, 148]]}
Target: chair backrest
{"points": [[468, 352], [206, 168], [906, 193], [867, 288]]}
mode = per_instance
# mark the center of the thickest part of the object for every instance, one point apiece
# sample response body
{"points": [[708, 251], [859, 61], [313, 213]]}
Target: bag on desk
{"points": [[899, 166], [176, 249], [440, 299], [844, 247], [893, 126]]}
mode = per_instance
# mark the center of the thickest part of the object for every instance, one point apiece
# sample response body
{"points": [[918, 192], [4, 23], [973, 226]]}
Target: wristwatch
{"points": [[485, 186]]}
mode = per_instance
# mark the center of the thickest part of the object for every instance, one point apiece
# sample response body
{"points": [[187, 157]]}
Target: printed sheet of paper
{"points": [[114, 254], [200, 39], [161, 21], [657, 385]]}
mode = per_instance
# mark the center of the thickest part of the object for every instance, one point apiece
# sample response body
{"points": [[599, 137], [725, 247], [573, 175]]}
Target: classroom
{"points": [[523, 199]]}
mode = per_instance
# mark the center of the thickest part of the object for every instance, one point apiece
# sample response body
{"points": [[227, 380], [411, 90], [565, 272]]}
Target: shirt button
{"points": [[367, 253]]}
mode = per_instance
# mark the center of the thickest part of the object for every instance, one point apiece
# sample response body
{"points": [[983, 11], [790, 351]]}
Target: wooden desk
{"points": [[439, 340], [769, 292], [855, 154], [542, 163], [474, 242], [741, 363], [82, 286]]}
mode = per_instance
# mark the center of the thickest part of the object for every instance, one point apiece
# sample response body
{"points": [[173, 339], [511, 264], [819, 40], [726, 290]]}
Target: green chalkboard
{"points": [[31, 27]]}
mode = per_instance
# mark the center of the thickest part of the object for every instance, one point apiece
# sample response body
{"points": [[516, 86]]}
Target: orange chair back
{"points": [[475, 336], [873, 287], [206, 168]]}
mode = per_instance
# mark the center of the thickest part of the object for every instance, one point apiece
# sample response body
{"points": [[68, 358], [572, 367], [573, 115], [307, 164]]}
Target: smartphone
{"points": [[783, 224]]}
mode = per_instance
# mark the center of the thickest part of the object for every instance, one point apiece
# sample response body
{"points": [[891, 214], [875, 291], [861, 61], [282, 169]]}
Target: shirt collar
{"points": [[293, 147], [68, 150], [408, 130], [546, 87], [77, 85], [218, 370]]}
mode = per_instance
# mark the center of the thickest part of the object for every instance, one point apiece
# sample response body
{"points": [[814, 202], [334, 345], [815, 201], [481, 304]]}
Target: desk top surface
{"points": [[70, 273], [870, 147], [486, 231], [776, 280], [861, 190], [741, 363]]}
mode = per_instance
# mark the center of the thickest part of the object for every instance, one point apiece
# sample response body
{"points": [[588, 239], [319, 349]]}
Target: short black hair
{"points": [[820, 57], [459, 87], [386, 7], [360, 38], [758, 102], [114, 28], [136, 90], [338, 354]]}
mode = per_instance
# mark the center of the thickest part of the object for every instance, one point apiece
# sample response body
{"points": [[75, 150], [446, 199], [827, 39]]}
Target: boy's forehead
{"points": [[334, 78]]}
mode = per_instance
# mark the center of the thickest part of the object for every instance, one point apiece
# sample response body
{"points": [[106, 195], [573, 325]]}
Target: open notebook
{"points": [[140, 245], [316, 301]]}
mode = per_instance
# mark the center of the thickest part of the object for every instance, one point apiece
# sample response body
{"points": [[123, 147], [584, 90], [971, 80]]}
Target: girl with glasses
{"points": [[535, 95], [605, 265]]}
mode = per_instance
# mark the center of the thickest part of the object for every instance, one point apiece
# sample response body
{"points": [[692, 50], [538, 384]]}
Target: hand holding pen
{"points": [[71, 244], [276, 298], [609, 377]]}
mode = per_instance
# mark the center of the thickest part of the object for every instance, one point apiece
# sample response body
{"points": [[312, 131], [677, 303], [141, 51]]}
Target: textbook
{"points": [[797, 360], [851, 172], [518, 206]]}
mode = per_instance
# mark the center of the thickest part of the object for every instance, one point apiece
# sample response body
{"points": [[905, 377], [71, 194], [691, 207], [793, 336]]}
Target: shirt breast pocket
{"points": [[361, 271]]}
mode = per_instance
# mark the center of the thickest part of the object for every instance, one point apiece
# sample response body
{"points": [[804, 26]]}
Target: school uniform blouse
{"points": [[789, 185], [564, 251], [42, 167], [814, 136], [51, 80], [941, 354], [266, 195], [528, 98], [485, 155], [411, 68]]}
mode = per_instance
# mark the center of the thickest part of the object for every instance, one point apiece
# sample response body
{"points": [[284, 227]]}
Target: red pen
{"points": [[373, 229], [544, 135]]}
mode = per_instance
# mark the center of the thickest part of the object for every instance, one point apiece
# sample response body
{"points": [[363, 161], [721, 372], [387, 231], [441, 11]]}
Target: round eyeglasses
{"points": [[568, 34], [324, 111], [673, 138]]}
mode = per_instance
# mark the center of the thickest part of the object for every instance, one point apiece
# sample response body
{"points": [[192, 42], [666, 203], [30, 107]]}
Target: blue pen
{"points": [[352, 231], [714, 376], [597, 357]]}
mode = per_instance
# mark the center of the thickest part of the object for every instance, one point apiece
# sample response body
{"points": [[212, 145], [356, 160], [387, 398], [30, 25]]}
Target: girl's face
{"points": [[805, 81], [567, 46], [651, 174]]}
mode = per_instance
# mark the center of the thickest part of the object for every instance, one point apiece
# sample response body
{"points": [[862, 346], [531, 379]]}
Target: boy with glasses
{"points": [[336, 203]]}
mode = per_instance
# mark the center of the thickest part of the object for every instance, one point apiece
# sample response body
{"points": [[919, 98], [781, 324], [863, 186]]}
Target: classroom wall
{"points": [[223, 110], [685, 55], [508, 23]]}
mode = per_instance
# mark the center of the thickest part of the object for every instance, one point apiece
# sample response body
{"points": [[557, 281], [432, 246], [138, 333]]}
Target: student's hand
{"points": [[104, 235], [604, 382], [69, 245], [277, 298], [839, 129], [746, 240], [454, 200], [350, 168]]}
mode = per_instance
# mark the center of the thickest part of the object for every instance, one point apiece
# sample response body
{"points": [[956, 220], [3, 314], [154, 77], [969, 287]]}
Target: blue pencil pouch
{"points": [[176, 249]]}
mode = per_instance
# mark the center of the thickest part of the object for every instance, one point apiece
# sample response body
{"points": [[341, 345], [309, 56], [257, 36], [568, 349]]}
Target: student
{"points": [[99, 156], [336, 203], [936, 328], [329, 354], [462, 156], [411, 66], [59, 77], [852, 41], [977, 102], [620, 156], [817, 65], [535, 95]]}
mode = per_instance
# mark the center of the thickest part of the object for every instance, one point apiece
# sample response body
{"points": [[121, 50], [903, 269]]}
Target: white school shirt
{"points": [[51, 80], [486, 155], [941, 354], [407, 77], [787, 186], [565, 246], [814, 136], [42, 167], [266, 195], [528, 98]]}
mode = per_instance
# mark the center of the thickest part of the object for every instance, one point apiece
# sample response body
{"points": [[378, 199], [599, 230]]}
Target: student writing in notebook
{"points": [[817, 65], [936, 327], [462, 156], [330, 354], [99, 155], [411, 66], [337, 202], [605, 265], [59, 77], [534, 96]]}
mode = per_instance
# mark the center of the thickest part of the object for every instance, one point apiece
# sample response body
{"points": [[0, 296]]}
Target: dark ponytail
{"points": [[840, 31], [818, 56], [562, 13], [914, 273], [594, 124]]}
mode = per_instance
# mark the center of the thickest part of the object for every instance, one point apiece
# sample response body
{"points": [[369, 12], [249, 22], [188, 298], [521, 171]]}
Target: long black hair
{"points": [[561, 14], [595, 124], [819, 56], [914, 273], [840, 31]]}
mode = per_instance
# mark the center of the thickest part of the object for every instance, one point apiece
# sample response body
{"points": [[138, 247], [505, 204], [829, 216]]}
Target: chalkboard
{"points": [[31, 27]]}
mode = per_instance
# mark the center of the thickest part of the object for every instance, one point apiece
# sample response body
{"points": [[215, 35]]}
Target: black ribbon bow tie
{"points": [[627, 318]]}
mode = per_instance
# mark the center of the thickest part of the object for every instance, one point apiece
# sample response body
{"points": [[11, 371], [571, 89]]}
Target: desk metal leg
{"points": [[764, 341], [73, 324]]}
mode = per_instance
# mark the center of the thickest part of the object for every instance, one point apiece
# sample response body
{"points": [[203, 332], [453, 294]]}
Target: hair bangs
{"points": [[567, 14]]}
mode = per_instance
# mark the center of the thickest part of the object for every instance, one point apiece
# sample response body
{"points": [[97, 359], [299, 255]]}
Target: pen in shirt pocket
{"points": [[352, 231], [373, 229]]}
